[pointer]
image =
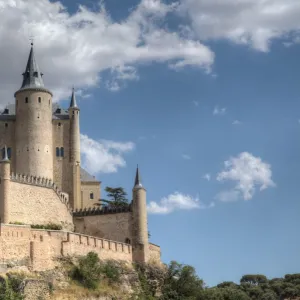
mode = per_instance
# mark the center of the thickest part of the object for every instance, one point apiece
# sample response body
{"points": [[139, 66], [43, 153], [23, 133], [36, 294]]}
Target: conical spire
{"points": [[73, 103], [32, 77], [137, 182], [5, 156]]}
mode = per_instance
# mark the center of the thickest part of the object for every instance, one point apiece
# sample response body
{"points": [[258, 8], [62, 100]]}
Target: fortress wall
{"points": [[40, 249], [31, 204], [116, 226], [7, 137], [88, 187], [154, 253]]}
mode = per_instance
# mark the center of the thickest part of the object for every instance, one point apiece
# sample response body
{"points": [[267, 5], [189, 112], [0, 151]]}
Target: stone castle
{"points": [[42, 182]]}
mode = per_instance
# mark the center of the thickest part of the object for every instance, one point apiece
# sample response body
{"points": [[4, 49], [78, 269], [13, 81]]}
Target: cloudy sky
{"points": [[202, 94]]}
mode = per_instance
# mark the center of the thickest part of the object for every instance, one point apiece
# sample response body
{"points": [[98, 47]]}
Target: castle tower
{"points": [[4, 187], [33, 135], [140, 244], [74, 155]]}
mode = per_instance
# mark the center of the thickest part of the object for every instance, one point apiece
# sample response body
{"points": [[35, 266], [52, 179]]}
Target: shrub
{"points": [[49, 226], [17, 223], [88, 270], [111, 271]]}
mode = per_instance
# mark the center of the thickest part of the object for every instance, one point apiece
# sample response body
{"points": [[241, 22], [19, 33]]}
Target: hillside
{"points": [[89, 278]]}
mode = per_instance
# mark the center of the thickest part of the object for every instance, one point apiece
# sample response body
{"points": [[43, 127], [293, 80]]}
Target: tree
{"points": [[117, 198]]}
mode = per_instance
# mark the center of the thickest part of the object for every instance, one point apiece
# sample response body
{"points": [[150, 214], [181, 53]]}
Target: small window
{"points": [[91, 196], [26, 100], [9, 153], [59, 124], [57, 152], [127, 241], [40, 99], [62, 154], [6, 125]]}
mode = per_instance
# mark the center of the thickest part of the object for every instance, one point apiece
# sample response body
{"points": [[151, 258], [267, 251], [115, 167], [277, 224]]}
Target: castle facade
{"points": [[42, 182]]}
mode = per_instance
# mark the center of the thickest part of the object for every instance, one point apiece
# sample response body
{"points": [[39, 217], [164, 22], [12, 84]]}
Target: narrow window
{"points": [[127, 241], [62, 154], [91, 196], [59, 124], [26, 100], [6, 125], [57, 152], [9, 153], [40, 99]]}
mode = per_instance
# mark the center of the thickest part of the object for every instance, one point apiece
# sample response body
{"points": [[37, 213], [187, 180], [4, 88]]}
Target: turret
{"points": [[4, 187], [140, 242], [74, 155], [33, 134]]}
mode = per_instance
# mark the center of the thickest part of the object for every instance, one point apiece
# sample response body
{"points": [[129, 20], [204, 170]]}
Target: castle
{"points": [[42, 182]]}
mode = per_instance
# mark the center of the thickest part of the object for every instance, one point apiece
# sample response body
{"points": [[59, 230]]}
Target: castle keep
{"points": [[41, 182]]}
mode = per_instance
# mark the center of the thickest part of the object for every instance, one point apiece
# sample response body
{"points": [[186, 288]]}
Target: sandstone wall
{"points": [[32, 204], [154, 253], [87, 188], [115, 227], [39, 249]]}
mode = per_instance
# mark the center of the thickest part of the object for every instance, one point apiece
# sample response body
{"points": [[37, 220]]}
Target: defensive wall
{"points": [[35, 200], [40, 249]]}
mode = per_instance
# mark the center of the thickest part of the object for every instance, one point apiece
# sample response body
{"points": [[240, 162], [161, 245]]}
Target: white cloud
{"points": [[76, 49], [248, 173], [219, 111], [207, 177], [103, 156], [250, 22], [176, 201], [186, 156], [236, 122], [196, 103]]}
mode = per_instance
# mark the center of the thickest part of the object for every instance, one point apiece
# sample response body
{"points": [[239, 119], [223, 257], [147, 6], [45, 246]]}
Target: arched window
{"points": [[9, 153], [57, 152], [26, 100], [127, 241], [62, 154], [59, 124], [91, 196], [6, 125], [40, 99]]}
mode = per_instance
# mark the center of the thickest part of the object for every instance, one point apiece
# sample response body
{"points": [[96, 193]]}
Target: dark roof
{"points": [[32, 77], [137, 182], [86, 177], [58, 113], [73, 103]]}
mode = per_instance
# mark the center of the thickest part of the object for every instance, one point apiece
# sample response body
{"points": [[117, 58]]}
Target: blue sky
{"points": [[181, 89]]}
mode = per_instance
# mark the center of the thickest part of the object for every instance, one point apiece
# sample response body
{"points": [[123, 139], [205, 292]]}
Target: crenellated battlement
{"points": [[41, 182], [100, 211]]}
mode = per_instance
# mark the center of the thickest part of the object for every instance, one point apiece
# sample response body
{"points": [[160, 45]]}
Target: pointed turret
{"points": [[32, 77], [5, 156], [137, 182], [73, 103]]}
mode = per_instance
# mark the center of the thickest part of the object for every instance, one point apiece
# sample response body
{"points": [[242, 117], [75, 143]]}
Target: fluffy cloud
{"points": [[75, 49], [176, 201], [251, 22], [103, 156], [219, 111], [247, 172], [236, 122]]}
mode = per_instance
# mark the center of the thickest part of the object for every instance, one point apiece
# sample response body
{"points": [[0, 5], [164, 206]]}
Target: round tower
{"points": [[33, 135], [140, 241]]}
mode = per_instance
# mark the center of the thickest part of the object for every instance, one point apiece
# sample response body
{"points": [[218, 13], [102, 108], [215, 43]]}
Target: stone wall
{"points": [[88, 187], [39, 249], [154, 253], [34, 201], [115, 226]]}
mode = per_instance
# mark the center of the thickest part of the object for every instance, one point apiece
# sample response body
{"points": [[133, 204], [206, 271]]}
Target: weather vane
{"points": [[31, 39]]}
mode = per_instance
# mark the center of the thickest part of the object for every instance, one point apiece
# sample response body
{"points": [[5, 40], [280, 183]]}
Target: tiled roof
{"points": [[85, 176]]}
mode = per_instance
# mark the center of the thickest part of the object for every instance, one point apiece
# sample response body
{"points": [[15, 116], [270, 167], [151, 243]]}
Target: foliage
{"points": [[88, 271], [117, 198], [111, 271], [49, 226], [17, 223], [10, 288]]}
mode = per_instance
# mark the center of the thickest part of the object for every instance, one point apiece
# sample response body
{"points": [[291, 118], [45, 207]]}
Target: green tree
{"points": [[117, 198]]}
